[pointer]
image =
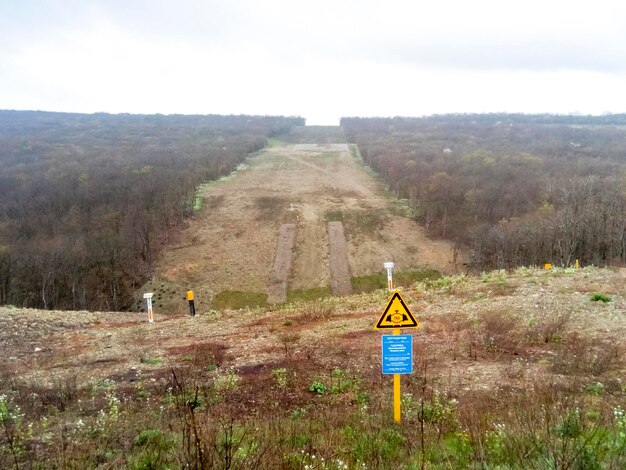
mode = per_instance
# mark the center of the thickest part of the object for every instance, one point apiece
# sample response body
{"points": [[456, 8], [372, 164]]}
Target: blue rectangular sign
{"points": [[397, 354]]}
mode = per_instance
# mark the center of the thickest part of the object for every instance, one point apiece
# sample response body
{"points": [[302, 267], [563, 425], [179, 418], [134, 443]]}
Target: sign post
{"points": [[148, 297], [389, 266], [192, 307], [397, 349]]}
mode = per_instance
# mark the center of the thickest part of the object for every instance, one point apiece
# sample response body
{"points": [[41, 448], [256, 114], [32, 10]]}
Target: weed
{"points": [[498, 331], [318, 387], [595, 388], [446, 283], [317, 311], [581, 355], [550, 329], [341, 381], [280, 377], [140, 392], [226, 381], [527, 271], [599, 297], [152, 450], [11, 417], [289, 341], [150, 360]]}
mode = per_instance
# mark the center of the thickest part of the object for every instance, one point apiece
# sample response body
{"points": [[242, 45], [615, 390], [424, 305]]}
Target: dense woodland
{"points": [[516, 189], [87, 201]]}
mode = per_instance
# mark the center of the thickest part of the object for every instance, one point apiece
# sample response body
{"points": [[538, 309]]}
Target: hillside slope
{"points": [[231, 243], [523, 358]]}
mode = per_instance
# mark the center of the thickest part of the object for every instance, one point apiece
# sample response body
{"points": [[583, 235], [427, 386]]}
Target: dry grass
{"points": [[525, 380]]}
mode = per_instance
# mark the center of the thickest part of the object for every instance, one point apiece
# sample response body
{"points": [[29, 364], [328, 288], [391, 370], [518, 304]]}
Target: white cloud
{"points": [[319, 59]]}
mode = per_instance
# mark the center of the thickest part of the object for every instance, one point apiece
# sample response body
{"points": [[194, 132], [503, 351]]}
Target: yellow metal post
{"points": [[396, 390]]}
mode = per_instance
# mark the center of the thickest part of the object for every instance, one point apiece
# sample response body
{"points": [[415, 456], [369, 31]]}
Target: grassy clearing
{"points": [[365, 223], [333, 216], [233, 299], [313, 293], [272, 143], [371, 282]]}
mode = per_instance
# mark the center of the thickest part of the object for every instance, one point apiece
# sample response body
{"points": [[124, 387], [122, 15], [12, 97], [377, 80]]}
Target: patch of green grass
{"points": [[599, 297], [198, 199], [371, 282], [313, 293], [368, 222], [272, 142], [333, 216], [234, 299], [150, 360]]}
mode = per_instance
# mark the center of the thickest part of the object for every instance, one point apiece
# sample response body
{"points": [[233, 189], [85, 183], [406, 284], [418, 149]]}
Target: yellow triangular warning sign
{"points": [[396, 315]]}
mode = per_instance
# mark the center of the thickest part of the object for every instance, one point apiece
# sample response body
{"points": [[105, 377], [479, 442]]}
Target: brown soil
{"points": [[339, 269], [277, 289], [44, 347], [231, 244]]}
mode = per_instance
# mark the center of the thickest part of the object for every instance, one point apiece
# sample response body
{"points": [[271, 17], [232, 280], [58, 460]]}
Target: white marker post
{"points": [[148, 297], [389, 266]]}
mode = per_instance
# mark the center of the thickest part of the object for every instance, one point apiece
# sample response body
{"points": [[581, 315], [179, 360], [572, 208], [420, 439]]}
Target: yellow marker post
{"points": [[396, 316], [396, 390], [192, 307], [577, 265]]}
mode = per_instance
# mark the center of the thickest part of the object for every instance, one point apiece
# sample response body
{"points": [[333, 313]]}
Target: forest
{"points": [[88, 201], [513, 189]]}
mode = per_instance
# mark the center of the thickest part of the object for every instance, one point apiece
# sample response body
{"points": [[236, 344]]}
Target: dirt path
{"points": [[339, 268], [231, 244], [277, 288]]}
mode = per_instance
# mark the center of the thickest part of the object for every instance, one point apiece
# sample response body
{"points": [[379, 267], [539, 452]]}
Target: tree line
{"points": [[514, 189], [87, 202]]}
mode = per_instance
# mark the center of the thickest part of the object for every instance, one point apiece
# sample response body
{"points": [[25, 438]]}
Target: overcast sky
{"points": [[318, 59]]}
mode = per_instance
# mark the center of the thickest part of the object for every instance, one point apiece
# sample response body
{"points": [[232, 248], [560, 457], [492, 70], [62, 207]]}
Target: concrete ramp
{"points": [[338, 260], [277, 287]]}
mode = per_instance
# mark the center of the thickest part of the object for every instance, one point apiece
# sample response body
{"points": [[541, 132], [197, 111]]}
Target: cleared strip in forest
{"points": [[277, 288], [338, 260]]}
